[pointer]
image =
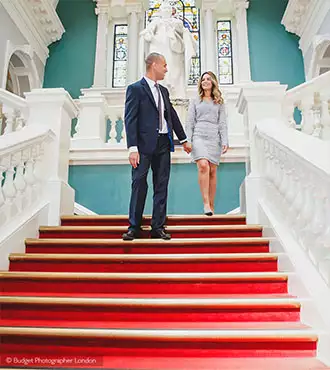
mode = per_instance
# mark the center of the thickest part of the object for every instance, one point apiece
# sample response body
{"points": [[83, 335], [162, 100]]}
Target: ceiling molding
{"points": [[38, 22]]}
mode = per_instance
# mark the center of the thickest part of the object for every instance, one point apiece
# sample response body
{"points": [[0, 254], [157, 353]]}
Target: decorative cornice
{"points": [[102, 7], [38, 22], [294, 16], [304, 18], [241, 5]]}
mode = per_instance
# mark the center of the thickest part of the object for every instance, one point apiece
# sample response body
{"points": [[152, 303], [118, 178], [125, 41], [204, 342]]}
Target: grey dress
{"points": [[206, 129]]}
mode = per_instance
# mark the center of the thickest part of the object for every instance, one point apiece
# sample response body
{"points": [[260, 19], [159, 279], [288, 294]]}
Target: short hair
{"points": [[151, 58]]}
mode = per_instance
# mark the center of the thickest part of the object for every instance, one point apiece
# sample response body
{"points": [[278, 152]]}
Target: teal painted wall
{"points": [[106, 189], [274, 53], [71, 60]]}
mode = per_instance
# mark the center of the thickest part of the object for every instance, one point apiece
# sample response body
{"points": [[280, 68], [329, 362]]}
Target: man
{"points": [[150, 121]]}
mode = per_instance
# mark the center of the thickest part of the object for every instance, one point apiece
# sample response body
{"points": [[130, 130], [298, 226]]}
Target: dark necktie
{"points": [[159, 107]]}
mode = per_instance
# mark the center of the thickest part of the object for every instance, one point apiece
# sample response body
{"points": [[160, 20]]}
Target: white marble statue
{"points": [[167, 35]]}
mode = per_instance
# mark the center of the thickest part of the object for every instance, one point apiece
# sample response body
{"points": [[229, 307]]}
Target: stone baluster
{"points": [[325, 115], [20, 120], [113, 131], [123, 135], [19, 182], [116, 119], [8, 187], [9, 114], [306, 106], [2, 196], [289, 115]]}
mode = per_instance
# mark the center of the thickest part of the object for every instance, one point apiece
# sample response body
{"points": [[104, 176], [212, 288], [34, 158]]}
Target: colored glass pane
{"points": [[225, 57], [120, 56]]}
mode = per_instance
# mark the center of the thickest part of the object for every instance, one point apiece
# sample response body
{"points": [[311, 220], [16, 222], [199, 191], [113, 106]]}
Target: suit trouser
{"points": [[160, 162]]}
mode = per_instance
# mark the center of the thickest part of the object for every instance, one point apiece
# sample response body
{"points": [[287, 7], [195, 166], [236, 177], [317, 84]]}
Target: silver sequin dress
{"points": [[206, 129]]}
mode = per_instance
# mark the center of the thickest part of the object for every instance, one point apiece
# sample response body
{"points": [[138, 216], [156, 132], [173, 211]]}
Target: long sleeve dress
{"points": [[206, 129]]}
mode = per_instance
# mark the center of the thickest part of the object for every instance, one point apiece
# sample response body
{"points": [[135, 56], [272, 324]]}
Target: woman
{"points": [[206, 129]]}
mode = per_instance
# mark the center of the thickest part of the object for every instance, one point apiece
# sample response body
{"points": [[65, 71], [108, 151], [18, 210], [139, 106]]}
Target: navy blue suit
{"points": [[142, 131]]}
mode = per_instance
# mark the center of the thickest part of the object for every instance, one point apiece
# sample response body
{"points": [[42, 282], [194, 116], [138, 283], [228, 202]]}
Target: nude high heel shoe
{"points": [[208, 211]]}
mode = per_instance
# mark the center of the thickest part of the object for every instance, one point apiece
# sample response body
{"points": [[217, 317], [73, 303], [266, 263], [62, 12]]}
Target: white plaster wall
{"points": [[8, 31], [308, 60], [325, 26], [40, 69]]}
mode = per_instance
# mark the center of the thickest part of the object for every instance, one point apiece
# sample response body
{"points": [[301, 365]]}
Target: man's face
{"points": [[160, 68]]}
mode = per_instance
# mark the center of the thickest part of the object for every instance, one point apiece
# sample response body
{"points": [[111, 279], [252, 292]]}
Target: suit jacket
{"points": [[141, 118]]}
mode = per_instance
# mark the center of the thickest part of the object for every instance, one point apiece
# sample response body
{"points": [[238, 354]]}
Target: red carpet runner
{"points": [[211, 298]]}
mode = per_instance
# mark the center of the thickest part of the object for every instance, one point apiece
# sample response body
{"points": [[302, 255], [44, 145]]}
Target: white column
{"points": [[100, 69], [133, 42], [210, 44], [243, 42]]}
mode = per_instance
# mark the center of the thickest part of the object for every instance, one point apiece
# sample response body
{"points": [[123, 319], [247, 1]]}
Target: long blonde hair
{"points": [[215, 93]]}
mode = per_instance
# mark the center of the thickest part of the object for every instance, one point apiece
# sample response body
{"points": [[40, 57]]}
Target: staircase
{"points": [[210, 298]]}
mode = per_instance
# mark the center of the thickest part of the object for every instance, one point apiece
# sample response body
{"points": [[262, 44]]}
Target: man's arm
{"points": [[131, 124], [177, 126], [131, 116]]}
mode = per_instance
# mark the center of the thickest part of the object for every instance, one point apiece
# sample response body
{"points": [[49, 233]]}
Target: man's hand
{"points": [[134, 159], [187, 147], [224, 148]]}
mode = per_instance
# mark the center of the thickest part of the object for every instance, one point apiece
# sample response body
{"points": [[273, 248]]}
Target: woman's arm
{"points": [[223, 129], [191, 120]]}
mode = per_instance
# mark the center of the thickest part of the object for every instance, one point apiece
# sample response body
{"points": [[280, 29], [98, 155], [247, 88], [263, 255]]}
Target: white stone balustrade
{"points": [[295, 183], [312, 98], [13, 112], [96, 142], [23, 170]]}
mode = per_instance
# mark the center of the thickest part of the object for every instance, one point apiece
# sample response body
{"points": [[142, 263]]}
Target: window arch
{"points": [[187, 12]]}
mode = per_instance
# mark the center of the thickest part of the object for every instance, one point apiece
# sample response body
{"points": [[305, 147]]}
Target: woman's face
{"points": [[206, 82]]}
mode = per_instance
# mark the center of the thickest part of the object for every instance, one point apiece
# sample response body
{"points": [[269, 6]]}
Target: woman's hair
{"points": [[215, 93]]}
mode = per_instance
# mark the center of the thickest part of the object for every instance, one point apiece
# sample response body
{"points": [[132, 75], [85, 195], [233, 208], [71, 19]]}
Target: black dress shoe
{"points": [[131, 235], [160, 234]]}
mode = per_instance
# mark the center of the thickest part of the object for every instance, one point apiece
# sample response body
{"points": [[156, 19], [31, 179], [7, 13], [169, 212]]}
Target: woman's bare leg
{"points": [[212, 184], [204, 181]]}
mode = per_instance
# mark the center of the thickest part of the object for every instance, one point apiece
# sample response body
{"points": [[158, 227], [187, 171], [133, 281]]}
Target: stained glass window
{"points": [[119, 56], [225, 55], [187, 12]]}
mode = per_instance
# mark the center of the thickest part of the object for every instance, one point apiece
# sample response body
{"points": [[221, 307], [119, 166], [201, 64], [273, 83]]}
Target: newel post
{"points": [[55, 109], [257, 101]]}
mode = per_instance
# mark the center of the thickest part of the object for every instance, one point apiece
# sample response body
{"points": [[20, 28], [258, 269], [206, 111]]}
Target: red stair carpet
{"points": [[210, 298]]}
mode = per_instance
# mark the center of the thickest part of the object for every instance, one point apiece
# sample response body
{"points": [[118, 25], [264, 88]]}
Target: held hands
{"points": [[224, 148], [187, 147], [134, 159]]}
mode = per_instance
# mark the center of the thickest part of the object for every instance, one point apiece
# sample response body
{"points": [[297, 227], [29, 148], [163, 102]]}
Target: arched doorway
{"points": [[320, 61], [19, 74]]}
